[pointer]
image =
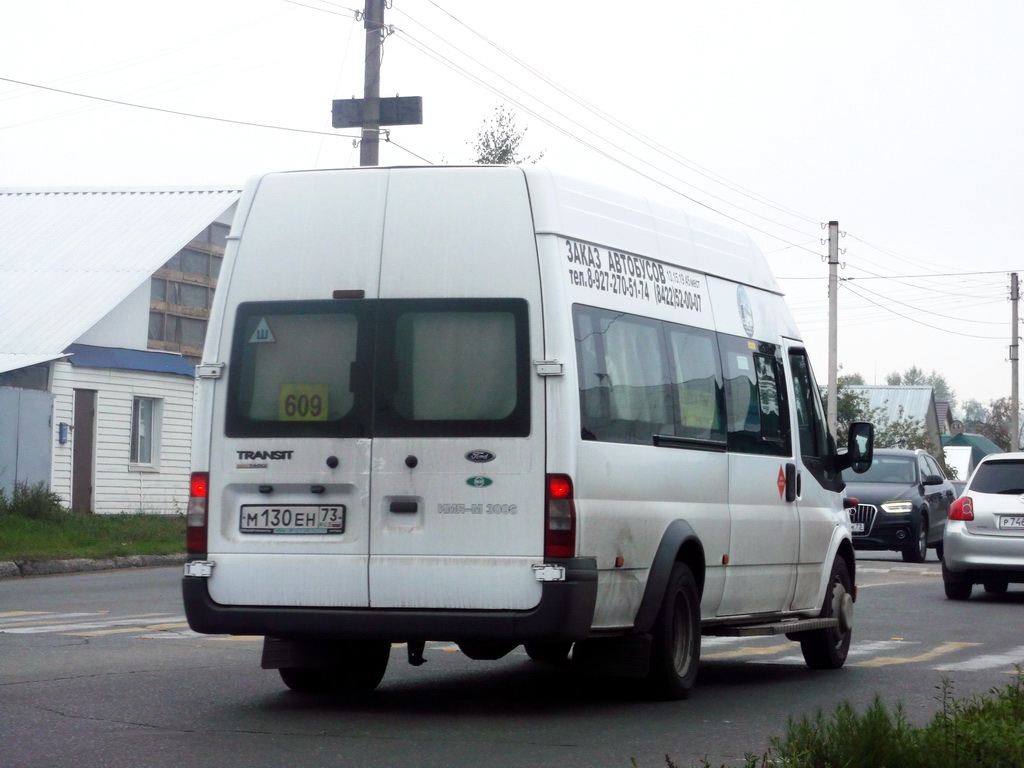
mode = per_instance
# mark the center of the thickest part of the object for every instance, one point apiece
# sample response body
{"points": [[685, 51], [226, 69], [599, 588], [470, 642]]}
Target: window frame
{"points": [[145, 431]]}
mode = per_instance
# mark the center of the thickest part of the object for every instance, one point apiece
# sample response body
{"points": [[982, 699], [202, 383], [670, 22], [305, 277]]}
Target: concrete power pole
{"points": [[1014, 350], [833, 331]]}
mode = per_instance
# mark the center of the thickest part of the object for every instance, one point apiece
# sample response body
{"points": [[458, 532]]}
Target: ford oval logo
{"points": [[480, 457]]}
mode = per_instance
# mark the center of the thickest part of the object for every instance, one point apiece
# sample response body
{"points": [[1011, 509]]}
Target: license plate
{"points": [[857, 527], [296, 518], [1011, 523]]}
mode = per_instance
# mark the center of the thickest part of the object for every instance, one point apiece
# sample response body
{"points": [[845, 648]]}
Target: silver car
{"points": [[984, 536]]}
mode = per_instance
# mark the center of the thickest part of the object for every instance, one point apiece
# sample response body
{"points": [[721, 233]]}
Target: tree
{"points": [[997, 429], [915, 377], [902, 432], [499, 139]]}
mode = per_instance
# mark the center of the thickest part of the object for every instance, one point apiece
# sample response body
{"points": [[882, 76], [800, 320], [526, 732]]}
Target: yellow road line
{"points": [[884, 661], [127, 630], [752, 650], [12, 614]]}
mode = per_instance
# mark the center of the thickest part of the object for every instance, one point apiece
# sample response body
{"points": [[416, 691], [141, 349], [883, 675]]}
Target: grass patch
{"points": [[984, 731], [34, 525]]}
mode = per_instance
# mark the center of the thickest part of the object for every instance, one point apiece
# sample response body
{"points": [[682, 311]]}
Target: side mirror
{"points": [[860, 447], [932, 480]]}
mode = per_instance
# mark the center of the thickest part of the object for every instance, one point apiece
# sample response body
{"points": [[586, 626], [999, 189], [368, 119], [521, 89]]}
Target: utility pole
{"points": [[1014, 350], [373, 23], [833, 330], [371, 112]]}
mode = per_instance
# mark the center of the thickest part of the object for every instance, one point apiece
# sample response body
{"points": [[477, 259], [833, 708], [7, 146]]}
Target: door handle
{"points": [[404, 506], [792, 478]]}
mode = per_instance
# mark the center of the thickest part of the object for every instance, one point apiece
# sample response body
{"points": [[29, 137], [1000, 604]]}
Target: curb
{"points": [[10, 569]]}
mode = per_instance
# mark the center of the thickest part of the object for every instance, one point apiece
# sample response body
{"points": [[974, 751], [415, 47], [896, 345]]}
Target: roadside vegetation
{"points": [[34, 525], [984, 731]]}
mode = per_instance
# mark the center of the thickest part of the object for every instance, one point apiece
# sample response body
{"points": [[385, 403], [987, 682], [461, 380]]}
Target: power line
{"points": [[173, 111], [919, 322]]}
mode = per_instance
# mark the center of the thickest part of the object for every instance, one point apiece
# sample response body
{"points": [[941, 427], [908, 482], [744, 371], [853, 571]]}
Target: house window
{"points": [[144, 430]]}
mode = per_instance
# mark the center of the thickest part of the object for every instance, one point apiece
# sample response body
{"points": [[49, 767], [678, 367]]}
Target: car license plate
{"points": [[1011, 523], [296, 518], [857, 527]]}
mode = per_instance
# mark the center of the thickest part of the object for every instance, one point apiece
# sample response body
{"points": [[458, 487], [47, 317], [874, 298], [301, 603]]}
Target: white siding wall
{"points": [[118, 487]]}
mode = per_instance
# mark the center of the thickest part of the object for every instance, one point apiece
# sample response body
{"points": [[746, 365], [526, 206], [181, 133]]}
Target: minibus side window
{"points": [[697, 383], [624, 378], [755, 399], [816, 446]]}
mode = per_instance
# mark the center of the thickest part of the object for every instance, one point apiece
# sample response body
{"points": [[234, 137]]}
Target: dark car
{"points": [[902, 504]]}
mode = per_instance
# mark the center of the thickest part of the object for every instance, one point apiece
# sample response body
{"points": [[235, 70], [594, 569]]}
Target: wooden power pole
{"points": [[1014, 355], [371, 112], [833, 331]]}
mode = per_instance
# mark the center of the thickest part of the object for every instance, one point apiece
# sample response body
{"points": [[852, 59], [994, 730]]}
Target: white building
{"points": [[104, 296]]}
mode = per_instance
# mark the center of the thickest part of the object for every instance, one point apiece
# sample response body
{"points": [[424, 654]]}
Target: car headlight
{"points": [[898, 507]]}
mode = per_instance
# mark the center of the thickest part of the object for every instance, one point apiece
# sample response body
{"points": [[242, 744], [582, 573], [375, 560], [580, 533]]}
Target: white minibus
{"points": [[503, 407]]}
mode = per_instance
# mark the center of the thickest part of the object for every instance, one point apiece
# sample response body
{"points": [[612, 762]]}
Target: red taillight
{"points": [[962, 509], [559, 517], [195, 516]]}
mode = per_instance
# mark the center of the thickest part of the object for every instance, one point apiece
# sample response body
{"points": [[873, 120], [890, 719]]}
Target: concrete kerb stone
{"points": [[78, 565]]}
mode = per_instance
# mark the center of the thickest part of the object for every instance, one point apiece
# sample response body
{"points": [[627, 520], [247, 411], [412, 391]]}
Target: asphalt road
{"points": [[100, 669]]}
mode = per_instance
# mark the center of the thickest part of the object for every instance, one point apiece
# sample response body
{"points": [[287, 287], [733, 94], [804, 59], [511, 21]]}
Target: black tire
{"points": [[939, 550], [675, 649], [552, 653], [996, 587], [828, 648], [917, 551], [957, 590], [360, 669]]}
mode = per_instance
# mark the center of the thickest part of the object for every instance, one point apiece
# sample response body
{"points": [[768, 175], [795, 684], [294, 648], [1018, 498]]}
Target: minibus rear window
{"points": [[452, 368], [376, 368], [292, 370]]}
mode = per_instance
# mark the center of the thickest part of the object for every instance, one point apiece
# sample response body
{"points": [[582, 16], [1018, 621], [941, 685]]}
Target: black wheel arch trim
{"points": [[678, 537]]}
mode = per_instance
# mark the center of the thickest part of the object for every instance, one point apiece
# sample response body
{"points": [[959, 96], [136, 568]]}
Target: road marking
{"points": [[13, 614], [125, 630], [71, 627], [884, 661], [39, 617], [987, 661], [750, 650]]}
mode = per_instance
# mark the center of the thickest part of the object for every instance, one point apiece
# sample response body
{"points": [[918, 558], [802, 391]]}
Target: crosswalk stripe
{"points": [[987, 661]]}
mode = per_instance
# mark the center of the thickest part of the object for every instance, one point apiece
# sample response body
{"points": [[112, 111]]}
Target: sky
{"points": [[903, 120]]}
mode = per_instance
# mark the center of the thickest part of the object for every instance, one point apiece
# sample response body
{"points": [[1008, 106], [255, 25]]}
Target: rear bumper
{"points": [[973, 557], [565, 612]]}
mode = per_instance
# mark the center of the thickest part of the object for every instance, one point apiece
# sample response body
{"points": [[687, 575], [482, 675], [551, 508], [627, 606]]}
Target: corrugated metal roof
{"points": [[916, 402], [68, 257]]}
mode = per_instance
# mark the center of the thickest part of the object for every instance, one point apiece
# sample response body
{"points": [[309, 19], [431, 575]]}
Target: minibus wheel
{"points": [[556, 652], [360, 668], [675, 648], [827, 648]]}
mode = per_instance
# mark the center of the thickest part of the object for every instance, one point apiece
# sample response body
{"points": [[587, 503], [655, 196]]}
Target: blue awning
{"points": [[129, 360]]}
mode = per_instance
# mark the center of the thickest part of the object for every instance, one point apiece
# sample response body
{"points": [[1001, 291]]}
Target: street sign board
{"points": [[397, 110]]}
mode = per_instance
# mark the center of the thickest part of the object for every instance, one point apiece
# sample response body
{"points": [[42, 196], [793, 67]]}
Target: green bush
{"points": [[980, 732], [35, 502]]}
